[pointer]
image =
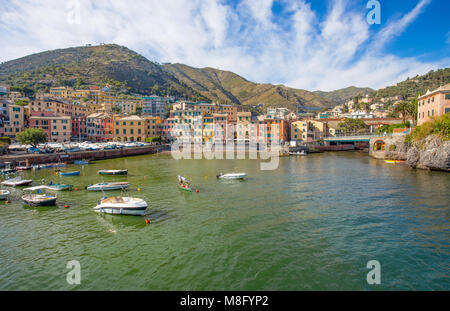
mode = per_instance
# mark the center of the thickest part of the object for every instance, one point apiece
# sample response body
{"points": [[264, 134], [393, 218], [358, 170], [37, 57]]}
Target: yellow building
{"points": [[208, 128], [135, 128], [299, 130]]}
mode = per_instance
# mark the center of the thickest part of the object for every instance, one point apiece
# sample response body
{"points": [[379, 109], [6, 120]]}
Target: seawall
{"points": [[82, 155]]}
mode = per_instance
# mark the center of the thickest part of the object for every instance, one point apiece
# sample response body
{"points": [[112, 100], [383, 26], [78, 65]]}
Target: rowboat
{"points": [[4, 194], [232, 176], [81, 162], [121, 206], [74, 173], [113, 172], [108, 186], [40, 198], [184, 183], [394, 161], [17, 181], [59, 187]]}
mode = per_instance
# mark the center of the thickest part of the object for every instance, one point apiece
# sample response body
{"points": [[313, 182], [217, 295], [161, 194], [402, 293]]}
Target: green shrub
{"points": [[5, 140], [439, 126], [392, 147], [153, 139]]}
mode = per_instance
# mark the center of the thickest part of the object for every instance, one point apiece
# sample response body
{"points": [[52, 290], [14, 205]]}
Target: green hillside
{"points": [[343, 95], [228, 87], [105, 65], [416, 85], [127, 72]]}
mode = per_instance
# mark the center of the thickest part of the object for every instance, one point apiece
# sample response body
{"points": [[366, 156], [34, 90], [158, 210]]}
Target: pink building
{"points": [[433, 104], [58, 128]]}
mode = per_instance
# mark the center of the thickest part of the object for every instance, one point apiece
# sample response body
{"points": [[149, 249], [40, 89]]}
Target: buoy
{"points": [[147, 221], [75, 189], [138, 189], [66, 206], [196, 190], [7, 201]]}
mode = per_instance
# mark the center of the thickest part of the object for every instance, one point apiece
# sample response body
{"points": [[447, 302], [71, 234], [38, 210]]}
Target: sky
{"points": [[306, 44]]}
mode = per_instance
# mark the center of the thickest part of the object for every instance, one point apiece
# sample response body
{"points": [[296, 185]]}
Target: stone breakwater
{"points": [[430, 153], [82, 155]]}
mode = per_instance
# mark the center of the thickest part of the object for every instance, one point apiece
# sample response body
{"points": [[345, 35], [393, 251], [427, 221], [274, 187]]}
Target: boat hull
{"points": [[232, 176], [4, 194], [108, 187], [121, 172], [185, 189], [69, 173], [17, 184], [120, 211], [49, 202]]}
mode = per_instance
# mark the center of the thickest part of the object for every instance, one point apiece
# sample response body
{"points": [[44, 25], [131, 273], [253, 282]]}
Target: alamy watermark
{"points": [[198, 139], [74, 275], [374, 15], [74, 12], [374, 275]]}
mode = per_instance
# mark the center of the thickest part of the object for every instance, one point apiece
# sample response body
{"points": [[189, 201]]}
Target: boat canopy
{"points": [[183, 179]]}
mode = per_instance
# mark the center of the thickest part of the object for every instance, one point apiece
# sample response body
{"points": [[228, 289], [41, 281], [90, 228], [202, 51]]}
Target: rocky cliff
{"points": [[431, 153]]}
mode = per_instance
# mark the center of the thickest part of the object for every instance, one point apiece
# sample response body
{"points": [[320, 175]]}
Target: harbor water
{"points": [[312, 224]]}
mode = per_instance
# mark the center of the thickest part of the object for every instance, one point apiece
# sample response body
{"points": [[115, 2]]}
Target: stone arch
{"points": [[379, 145]]}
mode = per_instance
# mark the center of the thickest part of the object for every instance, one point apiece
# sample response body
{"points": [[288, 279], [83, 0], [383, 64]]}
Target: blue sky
{"points": [[307, 44]]}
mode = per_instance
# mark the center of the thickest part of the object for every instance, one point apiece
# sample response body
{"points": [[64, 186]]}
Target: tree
{"points": [[352, 125], [405, 109], [32, 136], [138, 110]]}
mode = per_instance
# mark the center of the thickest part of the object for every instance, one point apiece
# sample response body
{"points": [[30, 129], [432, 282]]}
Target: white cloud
{"points": [[306, 51]]}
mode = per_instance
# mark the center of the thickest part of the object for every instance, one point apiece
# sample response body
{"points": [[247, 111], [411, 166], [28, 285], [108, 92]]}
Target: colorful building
{"points": [[433, 104], [58, 128], [99, 127]]}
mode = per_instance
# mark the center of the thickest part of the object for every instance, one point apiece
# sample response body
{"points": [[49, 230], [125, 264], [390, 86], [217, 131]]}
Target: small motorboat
{"points": [[40, 198], [184, 183], [43, 166], [108, 186], [59, 164], [113, 172], [81, 162], [17, 181], [74, 173], [298, 153], [232, 176], [23, 167], [59, 187], [8, 168], [4, 194], [121, 206]]}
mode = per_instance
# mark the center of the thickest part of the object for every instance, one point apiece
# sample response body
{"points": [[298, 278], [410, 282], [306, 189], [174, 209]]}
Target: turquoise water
{"points": [[312, 224]]}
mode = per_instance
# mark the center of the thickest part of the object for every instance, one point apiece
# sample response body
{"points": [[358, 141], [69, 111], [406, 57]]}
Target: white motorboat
{"points": [[108, 186], [232, 176], [40, 198], [121, 206], [17, 181], [298, 153], [4, 194]]}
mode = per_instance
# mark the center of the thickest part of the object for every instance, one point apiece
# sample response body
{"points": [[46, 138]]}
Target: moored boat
{"points": [[4, 194], [81, 162], [298, 153], [43, 166], [184, 183], [59, 187], [17, 181], [74, 173], [121, 206], [40, 198], [108, 186], [232, 176], [113, 172], [394, 161]]}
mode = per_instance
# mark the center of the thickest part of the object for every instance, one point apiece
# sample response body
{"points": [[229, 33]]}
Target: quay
{"points": [[81, 155]]}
